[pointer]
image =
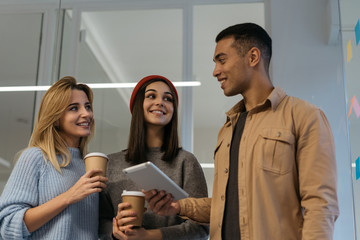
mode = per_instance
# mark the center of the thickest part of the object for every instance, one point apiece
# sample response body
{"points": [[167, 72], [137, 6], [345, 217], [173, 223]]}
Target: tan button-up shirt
{"points": [[287, 173]]}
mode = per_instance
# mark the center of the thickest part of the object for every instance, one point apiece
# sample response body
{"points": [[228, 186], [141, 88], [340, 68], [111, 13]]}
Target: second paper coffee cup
{"points": [[137, 201]]}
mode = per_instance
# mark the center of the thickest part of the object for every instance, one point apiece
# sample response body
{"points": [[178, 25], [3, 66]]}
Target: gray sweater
{"points": [[183, 170]]}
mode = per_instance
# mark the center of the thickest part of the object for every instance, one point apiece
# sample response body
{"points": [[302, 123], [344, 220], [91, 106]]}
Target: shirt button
{"points": [[222, 197], [226, 170], [228, 145], [242, 164], [278, 134]]}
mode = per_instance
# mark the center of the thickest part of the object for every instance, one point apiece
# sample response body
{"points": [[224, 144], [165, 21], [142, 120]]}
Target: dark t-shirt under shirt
{"points": [[230, 227]]}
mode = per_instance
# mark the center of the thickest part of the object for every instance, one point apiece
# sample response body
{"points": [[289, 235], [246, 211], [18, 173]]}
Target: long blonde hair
{"points": [[46, 134]]}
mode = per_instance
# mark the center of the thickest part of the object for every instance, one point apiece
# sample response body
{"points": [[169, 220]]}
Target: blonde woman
{"points": [[48, 194]]}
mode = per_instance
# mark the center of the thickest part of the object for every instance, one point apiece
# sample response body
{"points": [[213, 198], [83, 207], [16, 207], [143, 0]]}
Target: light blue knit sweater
{"points": [[34, 182]]}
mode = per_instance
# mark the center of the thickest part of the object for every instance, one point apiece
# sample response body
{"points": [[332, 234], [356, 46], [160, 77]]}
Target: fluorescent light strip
{"points": [[207, 165], [111, 85], [23, 88], [92, 85], [187, 84]]}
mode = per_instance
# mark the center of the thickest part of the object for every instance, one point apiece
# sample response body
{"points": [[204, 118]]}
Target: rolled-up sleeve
{"points": [[194, 184], [196, 209]]}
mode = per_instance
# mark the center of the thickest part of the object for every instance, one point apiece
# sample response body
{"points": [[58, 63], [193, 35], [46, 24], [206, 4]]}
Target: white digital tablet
{"points": [[148, 176]]}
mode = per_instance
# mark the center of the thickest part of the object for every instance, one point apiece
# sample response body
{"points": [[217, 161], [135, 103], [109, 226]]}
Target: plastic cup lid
{"points": [[133, 193], [96, 154]]}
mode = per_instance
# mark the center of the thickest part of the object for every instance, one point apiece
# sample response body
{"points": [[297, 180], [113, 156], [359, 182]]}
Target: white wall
{"points": [[307, 67]]}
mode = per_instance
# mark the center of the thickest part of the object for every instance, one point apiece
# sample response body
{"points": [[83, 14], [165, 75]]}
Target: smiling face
{"points": [[158, 104], [77, 119], [231, 69]]}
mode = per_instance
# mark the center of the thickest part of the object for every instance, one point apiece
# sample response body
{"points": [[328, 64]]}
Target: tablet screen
{"points": [[147, 176]]}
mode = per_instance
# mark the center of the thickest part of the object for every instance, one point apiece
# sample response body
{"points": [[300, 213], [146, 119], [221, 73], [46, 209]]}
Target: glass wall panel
{"points": [[350, 29], [19, 58], [307, 63], [210, 103]]}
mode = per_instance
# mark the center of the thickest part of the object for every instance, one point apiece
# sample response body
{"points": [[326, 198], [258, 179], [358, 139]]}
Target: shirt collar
{"points": [[276, 97], [272, 101]]}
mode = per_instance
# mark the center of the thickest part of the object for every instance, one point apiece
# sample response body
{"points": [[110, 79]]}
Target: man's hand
{"points": [[161, 203]]}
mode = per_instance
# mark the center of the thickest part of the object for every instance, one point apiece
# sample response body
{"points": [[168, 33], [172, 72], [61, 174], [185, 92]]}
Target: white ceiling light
{"points": [[207, 165], [93, 86], [23, 88]]}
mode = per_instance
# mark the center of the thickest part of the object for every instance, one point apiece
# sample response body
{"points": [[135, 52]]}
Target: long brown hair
{"points": [[45, 134], [138, 129]]}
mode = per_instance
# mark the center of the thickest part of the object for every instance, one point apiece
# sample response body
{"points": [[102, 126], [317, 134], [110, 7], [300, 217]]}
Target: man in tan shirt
{"points": [[275, 167]]}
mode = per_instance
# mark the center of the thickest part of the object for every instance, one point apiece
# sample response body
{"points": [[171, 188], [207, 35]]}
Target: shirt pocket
{"points": [[275, 151]]}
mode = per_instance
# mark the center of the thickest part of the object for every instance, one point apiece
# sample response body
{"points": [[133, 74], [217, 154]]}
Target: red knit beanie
{"points": [[146, 79]]}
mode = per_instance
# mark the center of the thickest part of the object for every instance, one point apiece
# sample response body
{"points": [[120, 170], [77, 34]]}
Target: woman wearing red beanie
{"points": [[153, 137]]}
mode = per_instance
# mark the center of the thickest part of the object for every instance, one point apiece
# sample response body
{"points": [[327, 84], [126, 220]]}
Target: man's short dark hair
{"points": [[248, 35]]}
